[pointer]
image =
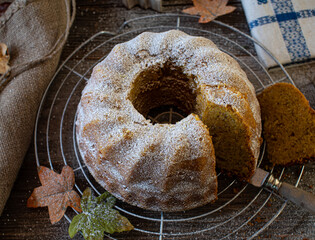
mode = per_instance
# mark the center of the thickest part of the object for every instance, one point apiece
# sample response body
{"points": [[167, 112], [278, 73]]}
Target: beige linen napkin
{"points": [[34, 31]]}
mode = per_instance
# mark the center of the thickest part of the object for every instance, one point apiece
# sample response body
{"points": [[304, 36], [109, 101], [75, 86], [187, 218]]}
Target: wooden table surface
{"points": [[18, 222]]}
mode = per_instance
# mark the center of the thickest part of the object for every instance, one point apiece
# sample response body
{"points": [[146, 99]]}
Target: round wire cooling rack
{"points": [[234, 215]]}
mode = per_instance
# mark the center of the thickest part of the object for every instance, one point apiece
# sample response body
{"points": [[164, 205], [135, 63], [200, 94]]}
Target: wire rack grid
{"points": [[233, 215]]}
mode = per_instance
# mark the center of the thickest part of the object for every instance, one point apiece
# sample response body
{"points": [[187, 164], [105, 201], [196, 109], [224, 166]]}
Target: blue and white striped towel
{"points": [[285, 27]]}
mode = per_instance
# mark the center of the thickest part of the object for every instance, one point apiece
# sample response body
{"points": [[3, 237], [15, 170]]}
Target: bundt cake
{"points": [[288, 125], [168, 167]]}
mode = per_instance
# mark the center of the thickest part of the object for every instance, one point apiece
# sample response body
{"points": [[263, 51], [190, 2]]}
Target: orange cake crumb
{"points": [[288, 125]]}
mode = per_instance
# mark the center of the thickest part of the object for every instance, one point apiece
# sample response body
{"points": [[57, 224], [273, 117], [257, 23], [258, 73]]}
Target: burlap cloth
{"points": [[34, 31]]}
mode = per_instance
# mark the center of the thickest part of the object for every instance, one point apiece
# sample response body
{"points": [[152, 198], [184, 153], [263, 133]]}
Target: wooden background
{"points": [[18, 222]]}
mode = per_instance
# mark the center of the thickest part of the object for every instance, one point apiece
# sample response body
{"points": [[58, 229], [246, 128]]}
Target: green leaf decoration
{"points": [[98, 216]]}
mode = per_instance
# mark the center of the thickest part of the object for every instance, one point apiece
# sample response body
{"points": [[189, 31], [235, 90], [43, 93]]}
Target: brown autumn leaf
{"points": [[209, 9], [4, 59], [56, 192]]}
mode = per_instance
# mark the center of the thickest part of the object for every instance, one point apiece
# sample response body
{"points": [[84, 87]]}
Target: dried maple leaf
{"points": [[4, 59], [209, 9], [56, 192]]}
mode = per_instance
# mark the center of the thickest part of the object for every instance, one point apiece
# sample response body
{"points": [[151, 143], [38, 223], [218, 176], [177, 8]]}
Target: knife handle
{"points": [[298, 196]]}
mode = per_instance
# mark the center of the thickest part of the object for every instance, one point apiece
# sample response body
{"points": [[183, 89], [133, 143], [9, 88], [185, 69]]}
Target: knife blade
{"points": [[262, 178], [259, 178]]}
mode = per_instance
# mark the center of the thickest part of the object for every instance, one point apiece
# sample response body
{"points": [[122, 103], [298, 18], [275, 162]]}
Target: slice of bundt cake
{"points": [[288, 124]]}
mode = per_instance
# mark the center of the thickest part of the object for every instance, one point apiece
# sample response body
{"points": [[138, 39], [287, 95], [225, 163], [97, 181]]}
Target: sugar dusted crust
{"points": [[167, 167], [159, 167]]}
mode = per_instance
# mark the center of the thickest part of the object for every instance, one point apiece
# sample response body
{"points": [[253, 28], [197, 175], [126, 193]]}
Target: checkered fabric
{"points": [[285, 27]]}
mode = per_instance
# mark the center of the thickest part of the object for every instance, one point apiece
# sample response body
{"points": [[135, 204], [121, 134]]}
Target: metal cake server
{"points": [[304, 199]]}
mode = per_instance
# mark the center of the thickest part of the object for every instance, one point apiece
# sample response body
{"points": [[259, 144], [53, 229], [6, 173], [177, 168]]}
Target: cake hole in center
{"points": [[166, 114], [163, 95]]}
